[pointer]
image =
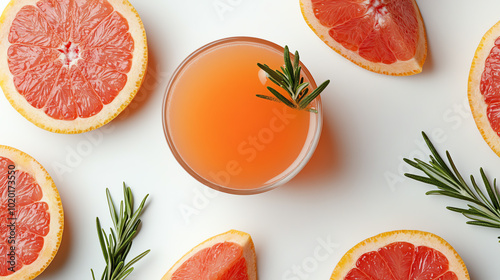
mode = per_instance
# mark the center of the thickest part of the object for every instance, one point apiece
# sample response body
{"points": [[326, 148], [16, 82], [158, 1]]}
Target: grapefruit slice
{"points": [[70, 66], [227, 256], [484, 87], [401, 255], [31, 216], [383, 36]]}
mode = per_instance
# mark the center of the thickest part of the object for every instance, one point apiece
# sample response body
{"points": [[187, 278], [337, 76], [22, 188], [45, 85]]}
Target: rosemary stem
{"points": [[483, 208], [116, 246]]}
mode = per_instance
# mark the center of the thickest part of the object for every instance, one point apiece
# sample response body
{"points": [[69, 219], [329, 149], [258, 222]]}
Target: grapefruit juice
{"points": [[224, 135]]}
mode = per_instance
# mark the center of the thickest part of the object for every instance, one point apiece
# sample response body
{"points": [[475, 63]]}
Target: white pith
{"points": [[69, 56], [376, 6]]}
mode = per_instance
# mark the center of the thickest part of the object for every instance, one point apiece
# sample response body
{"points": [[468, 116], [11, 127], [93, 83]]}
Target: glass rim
{"points": [[283, 178]]}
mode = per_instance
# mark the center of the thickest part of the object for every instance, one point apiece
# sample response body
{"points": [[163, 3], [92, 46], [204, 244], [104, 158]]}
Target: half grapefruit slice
{"points": [[31, 216], [484, 87], [70, 66], [401, 255], [383, 36], [227, 256]]}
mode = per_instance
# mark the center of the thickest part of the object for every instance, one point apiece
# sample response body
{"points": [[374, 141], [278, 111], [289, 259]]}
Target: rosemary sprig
{"points": [[292, 82], [483, 209], [116, 246]]}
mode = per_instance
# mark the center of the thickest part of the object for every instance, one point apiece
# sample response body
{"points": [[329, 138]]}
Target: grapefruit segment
{"points": [[401, 255], [493, 114], [87, 15], [27, 190], [334, 13], [110, 57], [384, 36], [218, 262], [397, 24], [36, 84], [60, 104], [227, 256], [4, 250], [23, 58], [34, 218], [428, 264], [374, 48], [57, 15], [356, 274], [31, 216], [374, 266], [31, 243], [105, 82], [42, 41], [448, 276], [352, 33], [31, 28], [112, 27], [88, 103]]}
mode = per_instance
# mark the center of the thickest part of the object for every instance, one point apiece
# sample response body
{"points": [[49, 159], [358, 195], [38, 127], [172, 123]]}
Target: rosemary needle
{"points": [[116, 246], [483, 208], [290, 79]]}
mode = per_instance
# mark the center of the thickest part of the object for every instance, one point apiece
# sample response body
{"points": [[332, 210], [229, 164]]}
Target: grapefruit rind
{"points": [[52, 240], [241, 238], [399, 68], [476, 100], [417, 238], [134, 78]]}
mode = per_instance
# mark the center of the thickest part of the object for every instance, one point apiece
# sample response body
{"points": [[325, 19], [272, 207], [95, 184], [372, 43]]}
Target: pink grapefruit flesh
{"points": [[402, 261], [31, 216], [227, 256], [221, 261], [73, 65], [401, 255], [384, 36]]}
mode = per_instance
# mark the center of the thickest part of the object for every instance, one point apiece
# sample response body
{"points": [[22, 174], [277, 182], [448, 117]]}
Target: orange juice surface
{"points": [[222, 131]]}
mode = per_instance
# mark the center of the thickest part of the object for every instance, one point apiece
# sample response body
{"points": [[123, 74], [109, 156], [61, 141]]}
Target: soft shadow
{"points": [[64, 251], [471, 274], [325, 162], [154, 78], [429, 65]]}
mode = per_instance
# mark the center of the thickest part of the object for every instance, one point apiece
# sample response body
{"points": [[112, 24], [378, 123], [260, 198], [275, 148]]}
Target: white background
{"points": [[343, 195]]}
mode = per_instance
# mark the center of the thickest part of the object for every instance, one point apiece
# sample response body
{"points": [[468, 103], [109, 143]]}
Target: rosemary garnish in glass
{"points": [[116, 246], [483, 209], [292, 82]]}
